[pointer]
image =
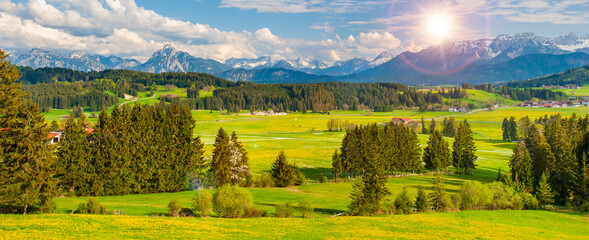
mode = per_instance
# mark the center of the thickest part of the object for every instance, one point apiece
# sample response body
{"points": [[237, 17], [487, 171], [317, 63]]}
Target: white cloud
{"points": [[120, 27], [303, 6]]}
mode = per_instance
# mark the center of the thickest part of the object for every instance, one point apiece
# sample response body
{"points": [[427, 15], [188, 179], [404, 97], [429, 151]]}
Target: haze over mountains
{"points": [[505, 58]]}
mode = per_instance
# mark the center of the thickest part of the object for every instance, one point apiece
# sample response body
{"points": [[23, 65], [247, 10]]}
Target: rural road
{"points": [[120, 105]]}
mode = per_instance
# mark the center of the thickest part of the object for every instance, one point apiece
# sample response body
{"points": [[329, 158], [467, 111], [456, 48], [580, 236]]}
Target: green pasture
{"points": [[583, 91], [459, 225]]}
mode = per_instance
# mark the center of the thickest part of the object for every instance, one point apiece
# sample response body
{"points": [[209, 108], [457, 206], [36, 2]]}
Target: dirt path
{"points": [[120, 105]]}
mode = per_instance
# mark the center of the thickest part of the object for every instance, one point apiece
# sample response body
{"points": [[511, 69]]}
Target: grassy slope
{"points": [[462, 225]]}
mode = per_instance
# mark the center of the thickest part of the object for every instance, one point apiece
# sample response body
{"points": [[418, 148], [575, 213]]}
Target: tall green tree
{"points": [[26, 161], [463, 152], [423, 128], [436, 154], [74, 162], [421, 202], [432, 126], [439, 197], [220, 164], [336, 166], [505, 129], [520, 164], [282, 172]]}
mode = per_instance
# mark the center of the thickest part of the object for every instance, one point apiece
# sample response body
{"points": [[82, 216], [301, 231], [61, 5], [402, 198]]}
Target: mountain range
{"points": [[504, 58]]}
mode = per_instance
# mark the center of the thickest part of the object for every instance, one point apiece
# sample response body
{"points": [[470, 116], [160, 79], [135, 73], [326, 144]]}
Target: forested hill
{"points": [[48, 75], [575, 76]]}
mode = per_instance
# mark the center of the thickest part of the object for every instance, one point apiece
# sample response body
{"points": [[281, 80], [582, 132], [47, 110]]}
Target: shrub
{"points": [[91, 207], [254, 212], [474, 195], [284, 210], [299, 176], [264, 180], [186, 212], [47, 207], [530, 201], [202, 202], [504, 197], [403, 203], [306, 208], [421, 202], [232, 201], [175, 208], [390, 207], [322, 178]]}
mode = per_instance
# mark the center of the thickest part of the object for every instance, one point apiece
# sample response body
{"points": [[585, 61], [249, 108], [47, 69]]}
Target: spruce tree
{"points": [[521, 166], [74, 162], [505, 129], [403, 203], [282, 172], [438, 196], [336, 166], [463, 152], [26, 160], [512, 126], [421, 202], [423, 128], [220, 164], [544, 191], [432, 126], [436, 154]]}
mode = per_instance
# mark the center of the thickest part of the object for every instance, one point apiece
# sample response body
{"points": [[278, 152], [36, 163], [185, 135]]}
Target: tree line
{"points": [[553, 153]]}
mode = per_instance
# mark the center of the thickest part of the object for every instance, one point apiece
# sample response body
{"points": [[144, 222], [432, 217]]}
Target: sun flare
{"points": [[438, 26]]}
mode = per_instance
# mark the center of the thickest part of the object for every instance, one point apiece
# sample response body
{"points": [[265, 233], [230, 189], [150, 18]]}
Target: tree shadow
{"points": [[315, 173]]}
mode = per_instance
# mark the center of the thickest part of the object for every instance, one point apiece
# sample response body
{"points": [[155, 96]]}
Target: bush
{"points": [[390, 207], [322, 178], [284, 210], [254, 212], [299, 176], [474, 195], [186, 212], [504, 197], [232, 201], [530, 201], [202, 202], [264, 180], [421, 202], [403, 203], [306, 208], [91, 207], [48, 207], [175, 208]]}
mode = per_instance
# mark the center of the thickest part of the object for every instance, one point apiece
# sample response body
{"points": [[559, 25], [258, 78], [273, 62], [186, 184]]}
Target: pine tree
{"points": [[220, 164], [432, 126], [505, 129], [544, 191], [336, 166], [74, 162], [423, 128], [436, 154], [403, 203], [463, 153], [512, 126], [421, 202], [521, 166], [26, 166], [54, 126], [282, 172], [438, 197]]}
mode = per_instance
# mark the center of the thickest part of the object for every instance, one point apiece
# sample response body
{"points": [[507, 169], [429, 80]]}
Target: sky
{"points": [[330, 30]]}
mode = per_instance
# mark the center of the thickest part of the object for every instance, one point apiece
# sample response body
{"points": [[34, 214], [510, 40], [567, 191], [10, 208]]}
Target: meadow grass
{"points": [[458, 225]]}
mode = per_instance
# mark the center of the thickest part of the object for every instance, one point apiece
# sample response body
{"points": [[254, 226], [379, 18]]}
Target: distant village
{"points": [[572, 102]]}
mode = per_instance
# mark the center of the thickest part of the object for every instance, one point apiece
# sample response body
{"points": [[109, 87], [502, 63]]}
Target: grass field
{"points": [[460, 225], [583, 91], [307, 143]]}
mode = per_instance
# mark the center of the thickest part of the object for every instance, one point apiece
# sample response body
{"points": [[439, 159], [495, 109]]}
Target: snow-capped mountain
{"points": [[249, 63], [380, 59], [77, 60], [447, 58], [170, 59]]}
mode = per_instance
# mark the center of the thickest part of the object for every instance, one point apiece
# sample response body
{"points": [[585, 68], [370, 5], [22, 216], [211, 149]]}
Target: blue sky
{"points": [[330, 30]]}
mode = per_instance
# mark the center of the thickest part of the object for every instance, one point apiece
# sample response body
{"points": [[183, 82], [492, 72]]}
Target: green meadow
{"points": [[306, 142]]}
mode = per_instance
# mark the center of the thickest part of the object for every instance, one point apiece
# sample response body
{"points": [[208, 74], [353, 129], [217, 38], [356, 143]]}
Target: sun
{"points": [[438, 26]]}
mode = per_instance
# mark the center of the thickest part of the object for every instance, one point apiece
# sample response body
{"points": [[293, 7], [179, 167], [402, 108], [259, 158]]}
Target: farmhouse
{"points": [[404, 121], [54, 137]]}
